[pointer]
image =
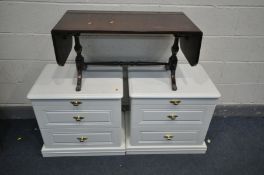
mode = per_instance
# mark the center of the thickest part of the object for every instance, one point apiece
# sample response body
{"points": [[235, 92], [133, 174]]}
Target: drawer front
{"points": [[75, 104], [163, 115], [174, 102], [165, 137], [81, 137], [82, 118], [49, 116]]}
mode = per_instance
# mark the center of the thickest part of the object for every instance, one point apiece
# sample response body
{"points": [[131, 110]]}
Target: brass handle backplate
{"points": [[78, 118], [82, 138], [168, 137], [172, 117], [76, 102], [175, 102]]}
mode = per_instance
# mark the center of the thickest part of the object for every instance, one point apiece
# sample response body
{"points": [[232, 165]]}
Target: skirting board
{"points": [[96, 151]]}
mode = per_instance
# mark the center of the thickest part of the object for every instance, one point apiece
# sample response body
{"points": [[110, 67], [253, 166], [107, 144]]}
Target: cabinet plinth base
{"points": [[177, 149], [92, 151]]}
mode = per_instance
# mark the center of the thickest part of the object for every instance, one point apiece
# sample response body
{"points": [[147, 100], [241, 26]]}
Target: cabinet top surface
{"points": [[57, 82], [125, 22], [154, 82]]}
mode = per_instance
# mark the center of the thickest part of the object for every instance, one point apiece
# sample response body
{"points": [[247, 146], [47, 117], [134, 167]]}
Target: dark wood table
{"points": [[74, 23]]}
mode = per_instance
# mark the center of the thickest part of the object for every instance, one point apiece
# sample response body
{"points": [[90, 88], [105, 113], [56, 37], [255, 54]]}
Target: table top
{"points": [[99, 82], [155, 82], [126, 22]]}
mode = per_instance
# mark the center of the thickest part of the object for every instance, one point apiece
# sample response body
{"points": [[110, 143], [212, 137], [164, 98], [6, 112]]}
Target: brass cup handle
{"points": [[168, 137], [78, 118], [172, 117], [175, 102], [76, 102], [82, 139]]}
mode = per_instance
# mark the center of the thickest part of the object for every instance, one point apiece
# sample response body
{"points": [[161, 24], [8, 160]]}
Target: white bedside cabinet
{"points": [[88, 122], [166, 121]]}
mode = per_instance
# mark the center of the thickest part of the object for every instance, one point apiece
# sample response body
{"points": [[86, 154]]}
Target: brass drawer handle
{"points": [[76, 102], [82, 139], [175, 102], [168, 137], [172, 117], [78, 118]]}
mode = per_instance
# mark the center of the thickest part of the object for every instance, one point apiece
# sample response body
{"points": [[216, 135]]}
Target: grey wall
{"points": [[232, 50]]}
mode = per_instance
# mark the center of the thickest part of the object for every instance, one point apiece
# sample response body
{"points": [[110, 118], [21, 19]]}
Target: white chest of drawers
{"points": [[166, 121], [88, 122]]}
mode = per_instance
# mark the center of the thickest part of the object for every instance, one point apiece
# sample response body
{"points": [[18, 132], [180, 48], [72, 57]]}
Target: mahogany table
{"points": [[73, 23]]}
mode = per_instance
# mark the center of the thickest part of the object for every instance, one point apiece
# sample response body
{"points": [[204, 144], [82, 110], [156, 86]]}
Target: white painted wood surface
{"points": [[166, 101], [169, 149], [85, 151], [158, 114], [57, 82], [99, 131], [60, 113], [159, 149], [192, 82], [103, 137], [156, 137], [149, 124]]}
